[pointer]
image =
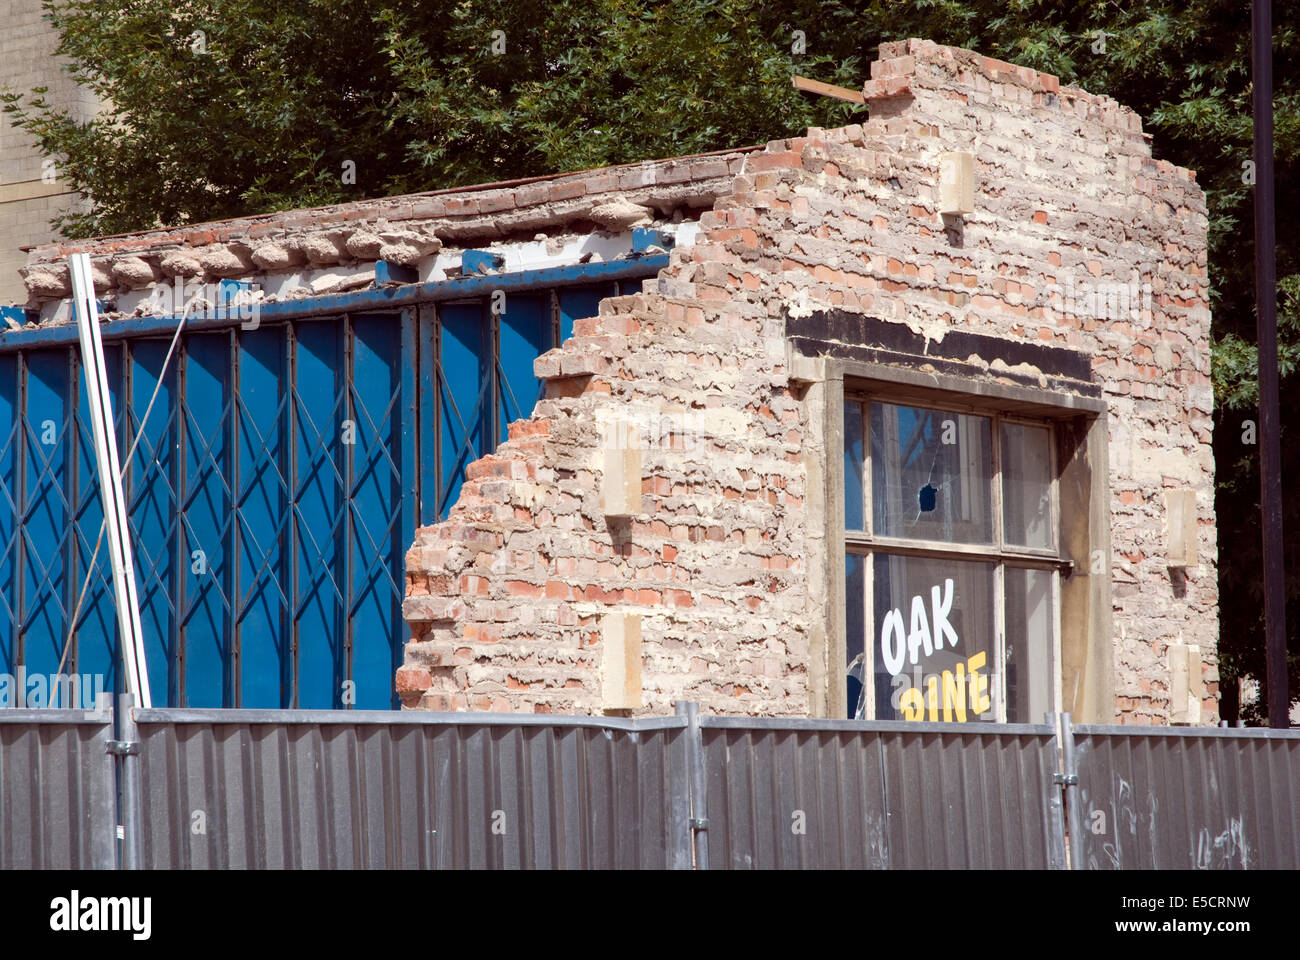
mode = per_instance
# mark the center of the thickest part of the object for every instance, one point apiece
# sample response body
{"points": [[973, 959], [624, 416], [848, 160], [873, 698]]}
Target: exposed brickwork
{"points": [[504, 597]]}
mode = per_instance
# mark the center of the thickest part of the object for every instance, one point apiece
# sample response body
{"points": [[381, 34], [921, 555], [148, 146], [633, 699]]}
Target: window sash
{"points": [[865, 543], [997, 692], [998, 548]]}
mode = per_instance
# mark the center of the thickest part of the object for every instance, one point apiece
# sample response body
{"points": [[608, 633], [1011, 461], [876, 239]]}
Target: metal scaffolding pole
{"points": [[110, 479]]}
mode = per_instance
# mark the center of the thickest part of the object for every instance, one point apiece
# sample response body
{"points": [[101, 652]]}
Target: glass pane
{"points": [[853, 465], [1030, 672], [1026, 486], [855, 568], [931, 476], [933, 636]]}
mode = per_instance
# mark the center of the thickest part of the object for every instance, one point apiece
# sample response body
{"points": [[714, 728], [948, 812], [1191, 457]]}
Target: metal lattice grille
{"points": [[274, 490]]}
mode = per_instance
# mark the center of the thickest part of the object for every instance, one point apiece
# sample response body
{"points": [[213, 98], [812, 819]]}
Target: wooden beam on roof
{"points": [[828, 90]]}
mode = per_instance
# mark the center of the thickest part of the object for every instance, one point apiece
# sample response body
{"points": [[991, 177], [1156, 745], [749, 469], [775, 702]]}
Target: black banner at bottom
{"points": [[395, 910]]}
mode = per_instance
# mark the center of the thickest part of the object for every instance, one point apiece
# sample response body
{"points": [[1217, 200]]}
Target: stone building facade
{"points": [[915, 421], [31, 190]]}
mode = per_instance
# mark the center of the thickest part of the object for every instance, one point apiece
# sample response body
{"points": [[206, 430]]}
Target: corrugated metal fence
{"points": [[355, 789], [58, 803], [332, 789], [880, 794], [1153, 798]]}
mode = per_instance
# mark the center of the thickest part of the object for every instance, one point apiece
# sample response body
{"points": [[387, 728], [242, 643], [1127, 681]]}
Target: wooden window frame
{"points": [[866, 543], [1083, 647]]}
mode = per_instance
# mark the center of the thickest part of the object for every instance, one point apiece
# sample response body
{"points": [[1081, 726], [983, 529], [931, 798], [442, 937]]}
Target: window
{"points": [[951, 562]]}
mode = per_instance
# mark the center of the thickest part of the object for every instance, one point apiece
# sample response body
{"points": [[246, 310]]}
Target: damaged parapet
{"points": [[585, 217]]}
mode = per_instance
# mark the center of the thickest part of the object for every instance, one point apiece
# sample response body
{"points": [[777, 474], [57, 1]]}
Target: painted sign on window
{"points": [[934, 639]]}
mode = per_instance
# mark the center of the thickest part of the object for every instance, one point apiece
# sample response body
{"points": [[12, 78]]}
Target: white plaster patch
{"points": [[803, 305], [930, 328], [1155, 464]]}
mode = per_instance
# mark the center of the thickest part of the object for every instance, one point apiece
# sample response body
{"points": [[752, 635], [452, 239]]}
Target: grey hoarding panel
{"points": [[844, 794], [1188, 798], [57, 799], [413, 795]]}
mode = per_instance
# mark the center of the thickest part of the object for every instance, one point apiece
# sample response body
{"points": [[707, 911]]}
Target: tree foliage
{"points": [[267, 109]]}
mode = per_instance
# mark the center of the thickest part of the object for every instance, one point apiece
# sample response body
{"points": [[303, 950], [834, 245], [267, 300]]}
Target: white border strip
{"points": [[110, 478]]}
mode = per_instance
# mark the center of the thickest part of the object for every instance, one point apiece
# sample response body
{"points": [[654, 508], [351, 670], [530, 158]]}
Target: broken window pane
{"points": [[933, 642], [853, 465], [1026, 486], [931, 474], [1030, 644]]}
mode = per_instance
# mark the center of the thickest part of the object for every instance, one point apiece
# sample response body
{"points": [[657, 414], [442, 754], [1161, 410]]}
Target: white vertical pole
{"points": [[110, 479]]}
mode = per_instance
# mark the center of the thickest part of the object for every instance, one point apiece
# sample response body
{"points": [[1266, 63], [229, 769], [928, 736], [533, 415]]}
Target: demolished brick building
{"points": [[828, 272], [909, 418]]}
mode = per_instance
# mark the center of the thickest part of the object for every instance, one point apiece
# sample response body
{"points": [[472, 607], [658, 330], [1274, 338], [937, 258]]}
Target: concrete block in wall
{"points": [[1195, 683], [1180, 528], [621, 481], [957, 182], [1185, 686], [620, 640]]}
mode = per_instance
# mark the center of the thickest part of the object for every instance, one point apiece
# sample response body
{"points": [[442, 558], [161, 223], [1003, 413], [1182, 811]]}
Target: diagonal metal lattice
{"points": [[374, 458], [245, 459]]}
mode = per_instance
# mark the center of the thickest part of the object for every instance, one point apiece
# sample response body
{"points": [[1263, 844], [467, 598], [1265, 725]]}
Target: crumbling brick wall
{"points": [[333, 249], [505, 597]]}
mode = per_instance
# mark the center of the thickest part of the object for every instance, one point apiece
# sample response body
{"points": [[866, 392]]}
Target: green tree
{"points": [[230, 107]]}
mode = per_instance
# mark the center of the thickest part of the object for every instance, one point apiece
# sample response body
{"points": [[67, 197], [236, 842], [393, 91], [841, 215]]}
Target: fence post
{"points": [[127, 752], [681, 854], [1057, 858], [699, 821], [1070, 791], [102, 792]]}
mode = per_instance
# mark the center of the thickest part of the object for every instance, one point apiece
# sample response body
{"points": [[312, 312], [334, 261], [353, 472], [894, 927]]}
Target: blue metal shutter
{"points": [[276, 487]]}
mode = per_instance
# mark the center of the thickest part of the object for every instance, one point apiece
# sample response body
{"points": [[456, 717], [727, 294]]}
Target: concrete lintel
{"points": [[1049, 403]]}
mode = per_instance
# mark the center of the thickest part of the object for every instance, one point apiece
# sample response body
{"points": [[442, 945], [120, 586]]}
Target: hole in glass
{"points": [[927, 497]]}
